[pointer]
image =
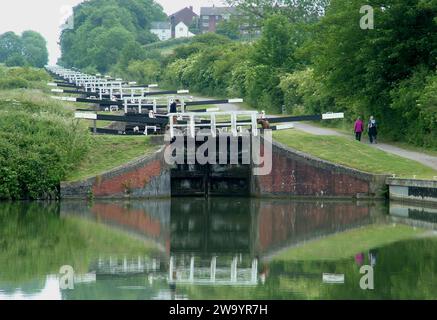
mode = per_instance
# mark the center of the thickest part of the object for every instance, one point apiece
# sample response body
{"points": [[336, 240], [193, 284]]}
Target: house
{"points": [[210, 17], [162, 29], [182, 31], [186, 15]]}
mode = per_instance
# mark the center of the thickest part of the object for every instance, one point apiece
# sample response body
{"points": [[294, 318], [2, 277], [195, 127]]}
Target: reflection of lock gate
{"points": [[124, 266], [199, 274]]}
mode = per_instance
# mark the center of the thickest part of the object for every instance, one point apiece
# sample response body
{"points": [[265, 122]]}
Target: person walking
{"points": [[372, 130], [359, 128]]}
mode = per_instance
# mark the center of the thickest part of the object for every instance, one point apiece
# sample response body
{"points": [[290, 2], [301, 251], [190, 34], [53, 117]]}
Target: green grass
{"points": [[37, 242], [342, 126], [349, 243], [109, 152], [353, 154]]}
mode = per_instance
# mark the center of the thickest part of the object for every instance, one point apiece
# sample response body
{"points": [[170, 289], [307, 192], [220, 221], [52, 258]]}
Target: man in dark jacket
{"points": [[174, 106], [372, 130]]}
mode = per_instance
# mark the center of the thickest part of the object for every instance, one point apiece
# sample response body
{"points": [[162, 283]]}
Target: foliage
{"points": [[40, 142], [304, 94], [34, 49], [230, 29], [35, 241], [12, 78], [28, 50], [381, 72], [104, 28], [294, 10], [312, 57]]}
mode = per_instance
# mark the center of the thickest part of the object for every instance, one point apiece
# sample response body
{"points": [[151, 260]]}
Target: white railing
{"points": [[212, 274], [230, 120]]}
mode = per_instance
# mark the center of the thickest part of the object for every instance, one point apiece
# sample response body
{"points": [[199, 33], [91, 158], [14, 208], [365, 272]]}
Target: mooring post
{"points": [[254, 270], [192, 269], [154, 106], [182, 105], [171, 267], [213, 268]]}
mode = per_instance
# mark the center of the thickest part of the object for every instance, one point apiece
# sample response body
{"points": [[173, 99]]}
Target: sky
{"points": [[46, 16]]}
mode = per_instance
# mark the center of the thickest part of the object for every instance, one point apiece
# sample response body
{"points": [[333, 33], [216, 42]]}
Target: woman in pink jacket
{"points": [[359, 129]]}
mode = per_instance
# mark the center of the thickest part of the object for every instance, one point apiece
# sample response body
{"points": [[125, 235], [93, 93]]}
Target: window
{"points": [[181, 29], [206, 18]]}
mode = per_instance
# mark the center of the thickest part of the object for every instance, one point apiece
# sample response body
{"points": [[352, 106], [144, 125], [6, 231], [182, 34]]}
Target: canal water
{"points": [[220, 248]]}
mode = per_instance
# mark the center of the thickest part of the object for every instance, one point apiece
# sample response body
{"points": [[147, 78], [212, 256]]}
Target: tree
{"points": [[296, 10], [16, 60], [194, 27], [29, 49], [379, 72], [35, 49], [103, 28], [10, 44], [230, 29]]}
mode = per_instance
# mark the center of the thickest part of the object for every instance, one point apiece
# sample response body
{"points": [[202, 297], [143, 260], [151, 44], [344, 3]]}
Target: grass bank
{"points": [[35, 241], [353, 154], [40, 142], [108, 152], [347, 244]]}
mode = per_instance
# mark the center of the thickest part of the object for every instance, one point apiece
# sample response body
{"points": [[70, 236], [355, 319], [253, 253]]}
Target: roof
{"points": [[186, 15], [217, 11], [186, 10], [160, 25]]}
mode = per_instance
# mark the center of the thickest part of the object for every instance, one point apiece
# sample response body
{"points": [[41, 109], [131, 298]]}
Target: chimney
{"points": [[191, 8]]}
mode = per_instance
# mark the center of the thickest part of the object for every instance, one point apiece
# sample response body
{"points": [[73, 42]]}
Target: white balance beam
{"points": [[85, 115], [330, 116]]}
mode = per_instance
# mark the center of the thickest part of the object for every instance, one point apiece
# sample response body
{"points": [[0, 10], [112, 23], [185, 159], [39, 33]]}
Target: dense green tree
{"points": [[380, 71], [230, 29], [29, 49], [35, 49], [105, 28], [295, 10], [16, 60], [10, 44]]}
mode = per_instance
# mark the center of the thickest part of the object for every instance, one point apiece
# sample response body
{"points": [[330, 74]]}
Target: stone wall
{"points": [[143, 178], [298, 174], [413, 190]]}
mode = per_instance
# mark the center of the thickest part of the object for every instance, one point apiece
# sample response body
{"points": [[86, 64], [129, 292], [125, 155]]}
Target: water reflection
{"points": [[196, 249]]}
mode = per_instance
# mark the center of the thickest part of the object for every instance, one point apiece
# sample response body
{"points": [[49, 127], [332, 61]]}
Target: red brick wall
{"points": [[121, 184], [137, 220], [294, 174], [286, 222]]}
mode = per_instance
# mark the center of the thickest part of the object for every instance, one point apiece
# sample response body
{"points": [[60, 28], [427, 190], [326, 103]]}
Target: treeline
{"points": [[107, 32], [40, 142], [29, 49], [313, 57]]}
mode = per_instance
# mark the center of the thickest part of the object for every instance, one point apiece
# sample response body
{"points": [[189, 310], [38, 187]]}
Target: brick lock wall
{"points": [[297, 174]]}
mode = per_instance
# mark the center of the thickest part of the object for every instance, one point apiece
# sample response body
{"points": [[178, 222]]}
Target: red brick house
{"points": [[210, 17], [186, 15]]}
